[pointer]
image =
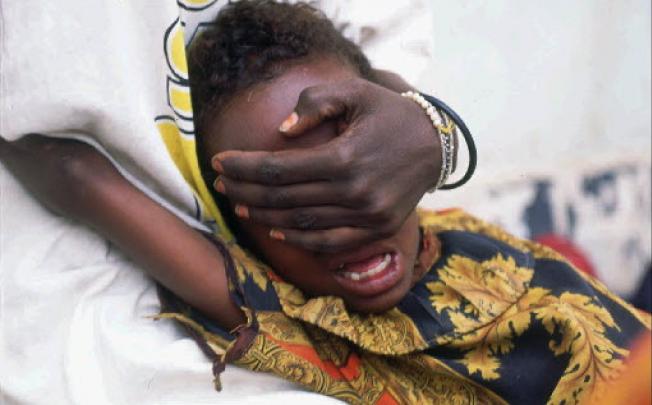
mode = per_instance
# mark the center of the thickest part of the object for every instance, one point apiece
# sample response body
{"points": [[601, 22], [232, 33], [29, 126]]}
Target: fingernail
{"points": [[219, 186], [242, 211], [217, 165], [289, 122], [219, 158], [278, 235]]}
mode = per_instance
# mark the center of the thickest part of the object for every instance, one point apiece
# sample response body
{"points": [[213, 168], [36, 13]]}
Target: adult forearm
{"points": [[391, 80]]}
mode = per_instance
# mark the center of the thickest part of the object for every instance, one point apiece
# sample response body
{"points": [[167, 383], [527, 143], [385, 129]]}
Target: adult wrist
{"points": [[445, 121], [391, 81]]}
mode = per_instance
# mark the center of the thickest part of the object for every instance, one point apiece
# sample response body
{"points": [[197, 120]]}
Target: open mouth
{"points": [[370, 276], [356, 275]]}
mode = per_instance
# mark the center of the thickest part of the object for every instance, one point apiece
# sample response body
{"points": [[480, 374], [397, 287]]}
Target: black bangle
{"points": [[468, 139]]}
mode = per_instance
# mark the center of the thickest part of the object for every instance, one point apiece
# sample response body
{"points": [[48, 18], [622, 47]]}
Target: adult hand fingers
{"points": [[309, 218], [327, 241], [286, 196], [282, 167], [356, 228], [317, 104]]}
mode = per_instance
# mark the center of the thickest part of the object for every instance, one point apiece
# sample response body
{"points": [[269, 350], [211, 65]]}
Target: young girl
{"points": [[449, 309]]}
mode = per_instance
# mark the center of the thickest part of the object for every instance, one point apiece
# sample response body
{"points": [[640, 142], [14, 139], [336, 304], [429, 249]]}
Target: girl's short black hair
{"points": [[249, 42], [252, 41]]}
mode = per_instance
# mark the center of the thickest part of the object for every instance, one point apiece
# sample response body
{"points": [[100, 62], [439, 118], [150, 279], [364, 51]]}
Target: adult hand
{"points": [[357, 188]]}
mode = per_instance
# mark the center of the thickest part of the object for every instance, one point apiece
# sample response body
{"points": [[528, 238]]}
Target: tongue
{"points": [[365, 265]]}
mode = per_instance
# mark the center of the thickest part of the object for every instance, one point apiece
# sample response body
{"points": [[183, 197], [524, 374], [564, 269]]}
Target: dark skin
{"points": [[73, 180], [383, 161], [253, 114]]}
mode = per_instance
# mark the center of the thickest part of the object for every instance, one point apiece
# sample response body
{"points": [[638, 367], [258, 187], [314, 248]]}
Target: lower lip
{"points": [[375, 284]]}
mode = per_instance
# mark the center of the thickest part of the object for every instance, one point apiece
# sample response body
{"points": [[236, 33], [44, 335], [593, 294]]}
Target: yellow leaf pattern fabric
{"points": [[594, 358], [496, 320]]}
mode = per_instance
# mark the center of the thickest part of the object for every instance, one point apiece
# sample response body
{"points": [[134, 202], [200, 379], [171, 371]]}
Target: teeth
{"points": [[371, 272]]}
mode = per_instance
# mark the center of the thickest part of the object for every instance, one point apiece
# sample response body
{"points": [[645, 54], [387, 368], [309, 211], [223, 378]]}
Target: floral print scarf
{"points": [[495, 320]]}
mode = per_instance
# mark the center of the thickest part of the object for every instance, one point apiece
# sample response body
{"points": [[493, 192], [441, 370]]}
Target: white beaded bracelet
{"points": [[445, 128]]}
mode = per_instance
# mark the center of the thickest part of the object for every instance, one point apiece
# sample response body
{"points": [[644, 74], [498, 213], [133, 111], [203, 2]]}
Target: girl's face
{"points": [[371, 278]]}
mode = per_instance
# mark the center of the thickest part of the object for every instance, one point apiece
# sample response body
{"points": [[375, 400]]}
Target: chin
{"points": [[372, 309], [381, 303]]}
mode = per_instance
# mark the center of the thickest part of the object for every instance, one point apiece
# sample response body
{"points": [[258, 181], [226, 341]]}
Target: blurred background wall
{"points": [[557, 94], [545, 83]]}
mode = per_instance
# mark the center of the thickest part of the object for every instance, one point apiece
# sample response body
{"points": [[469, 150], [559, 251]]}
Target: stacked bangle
{"points": [[446, 121], [445, 129]]}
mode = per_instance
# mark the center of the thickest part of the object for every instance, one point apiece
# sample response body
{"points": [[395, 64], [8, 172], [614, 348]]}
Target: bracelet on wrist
{"points": [[446, 122]]}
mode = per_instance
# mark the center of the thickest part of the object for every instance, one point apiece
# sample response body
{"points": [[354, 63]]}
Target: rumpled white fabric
{"points": [[73, 310]]}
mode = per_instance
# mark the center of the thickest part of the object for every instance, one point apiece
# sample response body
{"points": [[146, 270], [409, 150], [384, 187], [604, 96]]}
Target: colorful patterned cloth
{"points": [[496, 320]]}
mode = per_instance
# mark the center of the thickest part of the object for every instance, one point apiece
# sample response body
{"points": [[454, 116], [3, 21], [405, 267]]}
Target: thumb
{"points": [[316, 105]]}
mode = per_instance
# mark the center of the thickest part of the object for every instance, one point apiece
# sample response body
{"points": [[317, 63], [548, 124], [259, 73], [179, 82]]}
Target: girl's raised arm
{"points": [[74, 180]]}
